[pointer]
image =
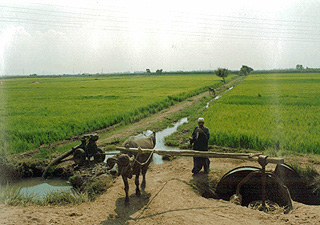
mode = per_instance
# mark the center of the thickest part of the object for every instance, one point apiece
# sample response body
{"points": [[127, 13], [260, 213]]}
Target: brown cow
{"points": [[128, 164]]}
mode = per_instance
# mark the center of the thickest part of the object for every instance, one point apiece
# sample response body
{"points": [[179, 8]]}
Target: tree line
{"points": [[223, 72]]}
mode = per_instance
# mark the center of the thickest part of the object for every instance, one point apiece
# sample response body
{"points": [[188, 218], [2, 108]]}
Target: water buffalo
{"points": [[128, 164], [211, 90]]}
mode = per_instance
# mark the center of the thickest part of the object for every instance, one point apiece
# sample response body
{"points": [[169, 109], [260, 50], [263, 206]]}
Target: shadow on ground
{"points": [[204, 184], [123, 212]]}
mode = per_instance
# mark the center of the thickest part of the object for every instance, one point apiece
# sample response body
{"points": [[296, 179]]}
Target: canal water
{"points": [[160, 141], [39, 187], [218, 96]]}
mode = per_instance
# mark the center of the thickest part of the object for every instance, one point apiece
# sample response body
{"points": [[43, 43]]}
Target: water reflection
{"points": [[160, 141], [40, 187]]}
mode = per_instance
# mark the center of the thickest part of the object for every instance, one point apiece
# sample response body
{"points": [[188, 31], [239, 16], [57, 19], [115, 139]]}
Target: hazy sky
{"points": [[56, 37]]}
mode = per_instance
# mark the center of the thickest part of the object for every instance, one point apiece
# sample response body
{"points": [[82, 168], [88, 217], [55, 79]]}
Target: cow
{"points": [[211, 90], [128, 164]]}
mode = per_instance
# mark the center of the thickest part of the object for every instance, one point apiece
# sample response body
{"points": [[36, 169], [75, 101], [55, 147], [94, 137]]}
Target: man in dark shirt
{"points": [[199, 139]]}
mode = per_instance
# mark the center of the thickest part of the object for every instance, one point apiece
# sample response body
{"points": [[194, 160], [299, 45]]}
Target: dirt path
{"points": [[156, 118], [168, 200], [111, 133]]}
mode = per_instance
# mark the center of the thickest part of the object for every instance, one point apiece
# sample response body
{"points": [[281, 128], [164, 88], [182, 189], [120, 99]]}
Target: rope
{"points": [[165, 183], [140, 151], [147, 161]]}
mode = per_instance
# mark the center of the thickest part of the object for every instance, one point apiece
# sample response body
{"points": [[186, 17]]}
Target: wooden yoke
{"points": [[192, 153]]}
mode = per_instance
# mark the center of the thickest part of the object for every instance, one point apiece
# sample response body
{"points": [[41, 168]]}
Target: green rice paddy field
{"points": [[36, 111], [279, 111]]}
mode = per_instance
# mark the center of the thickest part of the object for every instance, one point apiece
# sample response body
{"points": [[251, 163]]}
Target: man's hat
{"points": [[200, 120]]}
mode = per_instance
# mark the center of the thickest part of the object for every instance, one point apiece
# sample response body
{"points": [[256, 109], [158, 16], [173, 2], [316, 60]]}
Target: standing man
{"points": [[199, 139]]}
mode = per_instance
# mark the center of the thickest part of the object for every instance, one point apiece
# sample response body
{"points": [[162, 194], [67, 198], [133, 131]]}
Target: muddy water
{"points": [[160, 139], [39, 187], [160, 142]]}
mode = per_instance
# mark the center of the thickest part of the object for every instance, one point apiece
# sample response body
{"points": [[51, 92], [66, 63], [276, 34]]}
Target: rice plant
{"points": [[52, 109], [279, 111]]}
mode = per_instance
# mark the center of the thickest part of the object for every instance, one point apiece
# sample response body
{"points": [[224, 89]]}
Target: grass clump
{"points": [[13, 197], [309, 173], [7, 168], [273, 152], [93, 186], [310, 176], [64, 198]]}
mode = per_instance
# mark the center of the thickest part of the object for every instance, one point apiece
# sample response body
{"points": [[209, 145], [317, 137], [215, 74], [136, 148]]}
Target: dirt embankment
{"points": [[168, 199]]}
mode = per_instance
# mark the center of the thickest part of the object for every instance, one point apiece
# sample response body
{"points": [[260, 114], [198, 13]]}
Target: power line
{"points": [[54, 11], [218, 17], [255, 18], [188, 13], [177, 23], [185, 33], [80, 25], [180, 24]]}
